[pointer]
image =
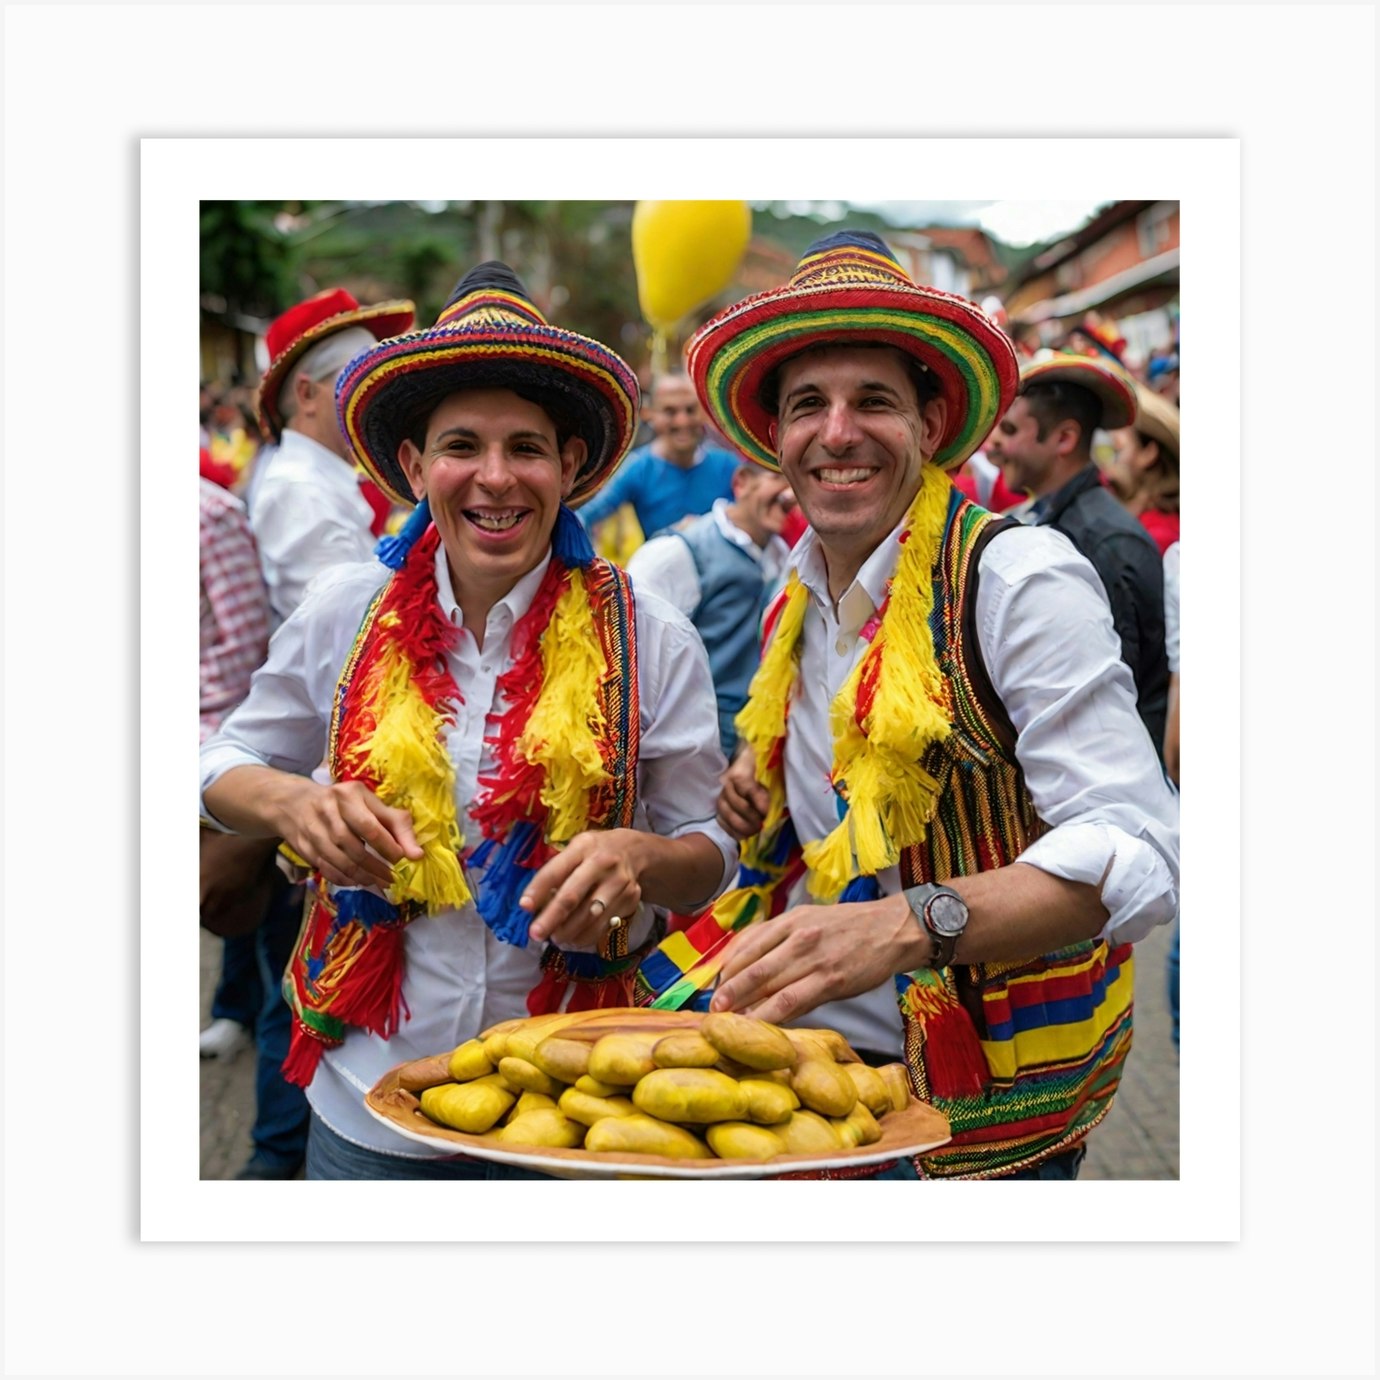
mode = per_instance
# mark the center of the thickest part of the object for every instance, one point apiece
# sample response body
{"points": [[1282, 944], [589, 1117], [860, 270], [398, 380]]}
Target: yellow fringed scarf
{"points": [[890, 797], [405, 753]]}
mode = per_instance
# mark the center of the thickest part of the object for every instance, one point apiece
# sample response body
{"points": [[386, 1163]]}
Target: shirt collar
{"points": [[731, 531], [864, 596], [507, 610], [331, 468], [701, 451]]}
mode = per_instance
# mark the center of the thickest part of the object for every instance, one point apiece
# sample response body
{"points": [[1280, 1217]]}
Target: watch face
{"points": [[947, 914]]}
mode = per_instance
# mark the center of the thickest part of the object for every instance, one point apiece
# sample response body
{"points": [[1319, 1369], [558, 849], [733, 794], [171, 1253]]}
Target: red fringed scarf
{"points": [[347, 967]]}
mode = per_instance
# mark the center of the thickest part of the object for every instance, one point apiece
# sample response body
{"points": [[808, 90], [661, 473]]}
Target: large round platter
{"points": [[918, 1129]]}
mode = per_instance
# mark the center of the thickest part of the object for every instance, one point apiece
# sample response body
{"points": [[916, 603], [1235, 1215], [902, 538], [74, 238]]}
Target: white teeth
{"points": [[837, 476], [495, 522]]}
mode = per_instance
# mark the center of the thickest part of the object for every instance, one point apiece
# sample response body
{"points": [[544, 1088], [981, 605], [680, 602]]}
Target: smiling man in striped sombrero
{"points": [[523, 758], [952, 813]]}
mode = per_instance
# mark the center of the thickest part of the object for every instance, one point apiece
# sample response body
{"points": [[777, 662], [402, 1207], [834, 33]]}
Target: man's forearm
{"points": [[680, 873], [254, 801], [1019, 911]]}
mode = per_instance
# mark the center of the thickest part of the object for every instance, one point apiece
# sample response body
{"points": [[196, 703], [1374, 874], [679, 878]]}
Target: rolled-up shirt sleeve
{"points": [[283, 722], [680, 760], [1047, 639]]}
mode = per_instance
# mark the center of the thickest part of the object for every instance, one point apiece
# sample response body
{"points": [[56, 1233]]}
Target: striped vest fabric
{"points": [[1054, 1031]]}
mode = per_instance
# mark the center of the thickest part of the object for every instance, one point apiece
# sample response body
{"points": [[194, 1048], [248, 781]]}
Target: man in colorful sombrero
{"points": [[942, 741], [1043, 444], [504, 724]]}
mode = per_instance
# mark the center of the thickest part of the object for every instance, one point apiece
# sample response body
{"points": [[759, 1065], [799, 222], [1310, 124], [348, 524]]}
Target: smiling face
{"points": [[852, 438], [494, 473], [761, 501], [676, 418]]}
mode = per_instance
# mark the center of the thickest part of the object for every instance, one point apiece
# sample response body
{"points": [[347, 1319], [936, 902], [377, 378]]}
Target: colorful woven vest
{"points": [[347, 967], [1023, 1058]]}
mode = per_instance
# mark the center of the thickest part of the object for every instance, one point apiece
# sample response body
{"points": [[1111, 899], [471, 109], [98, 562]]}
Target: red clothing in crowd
{"points": [[220, 472], [378, 501], [1163, 527], [1002, 498]]}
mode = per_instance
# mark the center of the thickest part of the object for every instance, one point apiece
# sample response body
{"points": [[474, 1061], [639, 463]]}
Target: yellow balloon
{"points": [[685, 252]]}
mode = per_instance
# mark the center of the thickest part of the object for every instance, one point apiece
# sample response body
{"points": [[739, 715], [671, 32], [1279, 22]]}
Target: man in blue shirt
{"points": [[678, 475]]}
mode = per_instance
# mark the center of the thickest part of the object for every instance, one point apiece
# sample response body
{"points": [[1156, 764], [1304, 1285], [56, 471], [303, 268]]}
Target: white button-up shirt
{"points": [[307, 514], [1046, 637], [458, 977], [666, 565]]}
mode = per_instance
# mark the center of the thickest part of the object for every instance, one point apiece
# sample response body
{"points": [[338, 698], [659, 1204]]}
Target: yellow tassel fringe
{"points": [[891, 799], [406, 754], [562, 733]]}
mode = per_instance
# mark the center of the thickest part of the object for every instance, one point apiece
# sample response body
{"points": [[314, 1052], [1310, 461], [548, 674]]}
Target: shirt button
{"points": [[841, 646]]}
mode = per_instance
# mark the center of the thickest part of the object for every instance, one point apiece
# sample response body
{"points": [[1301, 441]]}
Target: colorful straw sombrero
{"points": [[1113, 388], [292, 334], [489, 335], [849, 289]]}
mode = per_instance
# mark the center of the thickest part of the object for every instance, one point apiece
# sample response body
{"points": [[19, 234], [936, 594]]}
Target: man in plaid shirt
{"points": [[235, 618], [234, 606]]}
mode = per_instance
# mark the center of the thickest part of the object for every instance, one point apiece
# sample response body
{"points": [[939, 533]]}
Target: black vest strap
{"points": [[972, 650]]}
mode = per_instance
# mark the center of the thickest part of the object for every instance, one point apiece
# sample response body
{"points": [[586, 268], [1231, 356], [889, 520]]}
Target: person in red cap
{"points": [[308, 514], [305, 502]]}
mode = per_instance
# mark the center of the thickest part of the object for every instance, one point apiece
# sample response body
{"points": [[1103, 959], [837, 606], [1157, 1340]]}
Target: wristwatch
{"points": [[943, 914]]}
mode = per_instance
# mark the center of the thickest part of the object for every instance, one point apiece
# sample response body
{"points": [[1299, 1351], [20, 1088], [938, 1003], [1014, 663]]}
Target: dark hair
{"points": [[415, 428], [1051, 402], [926, 383]]}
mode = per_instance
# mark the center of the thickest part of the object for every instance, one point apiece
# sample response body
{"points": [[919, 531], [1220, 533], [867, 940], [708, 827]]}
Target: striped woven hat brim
{"points": [[384, 390], [731, 356], [384, 319], [1114, 390]]}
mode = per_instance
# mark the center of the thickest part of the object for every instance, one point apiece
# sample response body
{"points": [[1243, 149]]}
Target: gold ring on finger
{"points": [[603, 906]]}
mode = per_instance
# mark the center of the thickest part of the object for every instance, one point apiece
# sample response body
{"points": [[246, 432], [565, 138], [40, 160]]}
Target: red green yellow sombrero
{"points": [[1112, 387], [849, 289], [489, 335]]}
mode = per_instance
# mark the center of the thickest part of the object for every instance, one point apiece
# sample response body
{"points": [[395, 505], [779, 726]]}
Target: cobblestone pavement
{"points": [[1138, 1140]]}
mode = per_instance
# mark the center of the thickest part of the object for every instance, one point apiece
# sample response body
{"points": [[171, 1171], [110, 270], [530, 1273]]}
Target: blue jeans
{"points": [[1172, 974], [239, 993], [330, 1156], [250, 992]]}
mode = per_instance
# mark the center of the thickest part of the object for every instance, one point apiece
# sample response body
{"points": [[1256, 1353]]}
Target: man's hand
{"points": [[743, 800], [780, 969], [596, 876], [347, 832]]}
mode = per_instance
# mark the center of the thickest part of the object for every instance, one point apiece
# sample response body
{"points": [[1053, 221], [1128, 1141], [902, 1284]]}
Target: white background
{"points": [[99, 962]]}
